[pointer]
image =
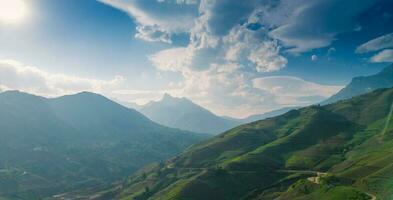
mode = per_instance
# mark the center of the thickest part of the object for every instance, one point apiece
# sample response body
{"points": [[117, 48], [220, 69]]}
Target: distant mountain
{"points": [[273, 113], [339, 151], [76, 142], [131, 105], [184, 114], [363, 84]]}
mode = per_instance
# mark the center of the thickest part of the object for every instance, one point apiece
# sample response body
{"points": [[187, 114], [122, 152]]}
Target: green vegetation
{"points": [[304, 190], [338, 151], [76, 145]]}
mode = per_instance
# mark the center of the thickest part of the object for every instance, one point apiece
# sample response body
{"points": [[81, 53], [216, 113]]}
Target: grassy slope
{"points": [[345, 139], [78, 142]]}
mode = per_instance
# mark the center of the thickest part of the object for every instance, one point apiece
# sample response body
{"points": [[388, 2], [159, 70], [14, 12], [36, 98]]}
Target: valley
{"points": [[79, 143], [196, 99]]}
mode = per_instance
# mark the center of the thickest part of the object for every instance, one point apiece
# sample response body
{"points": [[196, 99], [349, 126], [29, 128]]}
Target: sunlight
{"points": [[12, 11]]}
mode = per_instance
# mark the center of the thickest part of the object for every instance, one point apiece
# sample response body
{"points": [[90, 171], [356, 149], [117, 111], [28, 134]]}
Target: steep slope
{"points": [[184, 114], [76, 142], [363, 84], [339, 151]]}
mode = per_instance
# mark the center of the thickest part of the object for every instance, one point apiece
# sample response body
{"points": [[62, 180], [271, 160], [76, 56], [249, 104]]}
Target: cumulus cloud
{"points": [[382, 42], [383, 56], [175, 59], [243, 45], [232, 43]]}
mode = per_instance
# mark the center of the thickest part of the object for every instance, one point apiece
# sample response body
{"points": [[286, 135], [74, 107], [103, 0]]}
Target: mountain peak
{"points": [[167, 97], [86, 93], [184, 114], [363, 84]]}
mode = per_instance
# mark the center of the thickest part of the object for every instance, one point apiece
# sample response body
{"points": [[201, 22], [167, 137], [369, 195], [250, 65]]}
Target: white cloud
{"points": [[293, 90], [220, 64], [152, 34], [242, 45], [17, 76], [309, 25], [382, 42], [179, 1], [228, 90], [232, 43], [175, 59], [222, 88], [3, 88], [299, 45], [383, 56], [267, 59], [158, 20]]}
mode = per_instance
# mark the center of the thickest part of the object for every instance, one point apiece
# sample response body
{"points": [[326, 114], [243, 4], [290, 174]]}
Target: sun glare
{"points": [[12, 11]]}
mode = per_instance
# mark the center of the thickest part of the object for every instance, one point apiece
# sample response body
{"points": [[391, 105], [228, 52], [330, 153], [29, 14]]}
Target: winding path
{"points": [[373, 197]]}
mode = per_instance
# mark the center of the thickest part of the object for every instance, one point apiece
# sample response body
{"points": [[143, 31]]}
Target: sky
{"points": [[235, 58]]}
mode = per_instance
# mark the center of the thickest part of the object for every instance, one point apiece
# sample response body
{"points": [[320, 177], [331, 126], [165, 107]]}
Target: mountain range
{"points": [[184, 114], [76, 142], [338, 151], [78, 146], [363, 84]]}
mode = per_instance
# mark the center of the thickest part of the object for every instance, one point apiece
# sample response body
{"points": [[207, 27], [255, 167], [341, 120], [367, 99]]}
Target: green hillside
{"points": [[82, 142], [339, 151]]}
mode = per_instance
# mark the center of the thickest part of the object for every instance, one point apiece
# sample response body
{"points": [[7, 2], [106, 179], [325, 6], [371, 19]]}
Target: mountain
{"points": [[273, 113], [363, 84], [131, 105], [184, 114], [76, 142], [339, 151]]}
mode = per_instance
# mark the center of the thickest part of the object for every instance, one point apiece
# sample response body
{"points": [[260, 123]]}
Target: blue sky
{"points": [[234, 57]]}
